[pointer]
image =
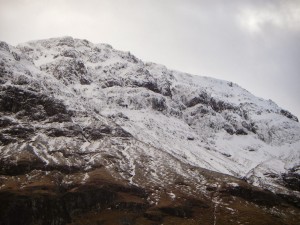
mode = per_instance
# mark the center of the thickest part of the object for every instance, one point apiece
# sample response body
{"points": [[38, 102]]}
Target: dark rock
{"points": [[159, 104], [293, 200], [180, 182], [66, 41], [132, 58], [80, 67], [194, 101], [16, 56], [152, 86], [291, 180], [57, 132], [167, 91], [69, 70], [84, 81], [64, 70], [111, 83], [229, 129], [204, 110], [105, 129], [4, 46], [2, 81], [220, 106], [211, 188], [253, 127], [246, 125], [289, 115], [250, 127], [272, 175], [69, 53], [241, 132], [24, 102], [203, 98], [5, 122], [21, 80], [226, 154], [96, 134], [93, 133], [5, 140], [53, 106], [22, 166], [120, 132], [19, 131], [60, 118]]}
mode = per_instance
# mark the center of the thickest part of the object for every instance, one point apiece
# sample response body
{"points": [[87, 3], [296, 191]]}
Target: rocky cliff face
{"points": [[92, 135]]}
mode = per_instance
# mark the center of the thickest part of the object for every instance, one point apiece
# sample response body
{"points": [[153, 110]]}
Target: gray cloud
{"points": [[252, 43]]}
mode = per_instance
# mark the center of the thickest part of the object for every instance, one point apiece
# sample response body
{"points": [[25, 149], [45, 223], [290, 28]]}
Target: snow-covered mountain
{"points": [[90, 112]]}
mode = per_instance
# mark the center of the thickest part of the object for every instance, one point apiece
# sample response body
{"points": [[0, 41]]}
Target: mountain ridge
{"points": [[72, 106]]}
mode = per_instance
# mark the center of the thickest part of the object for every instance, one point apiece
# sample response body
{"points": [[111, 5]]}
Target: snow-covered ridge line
{"points": [[201, 121]]}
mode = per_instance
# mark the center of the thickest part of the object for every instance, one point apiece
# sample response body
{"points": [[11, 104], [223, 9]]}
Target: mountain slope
{"points": [[76, 116]]}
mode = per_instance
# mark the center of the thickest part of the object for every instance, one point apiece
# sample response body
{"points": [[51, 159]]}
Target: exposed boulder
{"points": [[33, 105], [289, 115], [4, 46]]}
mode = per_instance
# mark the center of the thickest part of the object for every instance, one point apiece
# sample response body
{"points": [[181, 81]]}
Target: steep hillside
{"points": [[91, 133]]}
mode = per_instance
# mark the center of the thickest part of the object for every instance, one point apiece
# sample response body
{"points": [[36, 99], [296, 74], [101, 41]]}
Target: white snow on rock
{"points": [[201, 121]]}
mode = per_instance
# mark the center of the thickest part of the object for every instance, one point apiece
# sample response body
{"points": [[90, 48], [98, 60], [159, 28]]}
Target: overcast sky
{"points": [[255, 44]]}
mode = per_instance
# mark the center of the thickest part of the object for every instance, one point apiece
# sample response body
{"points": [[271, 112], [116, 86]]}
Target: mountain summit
{"points": [[93, 135]]}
